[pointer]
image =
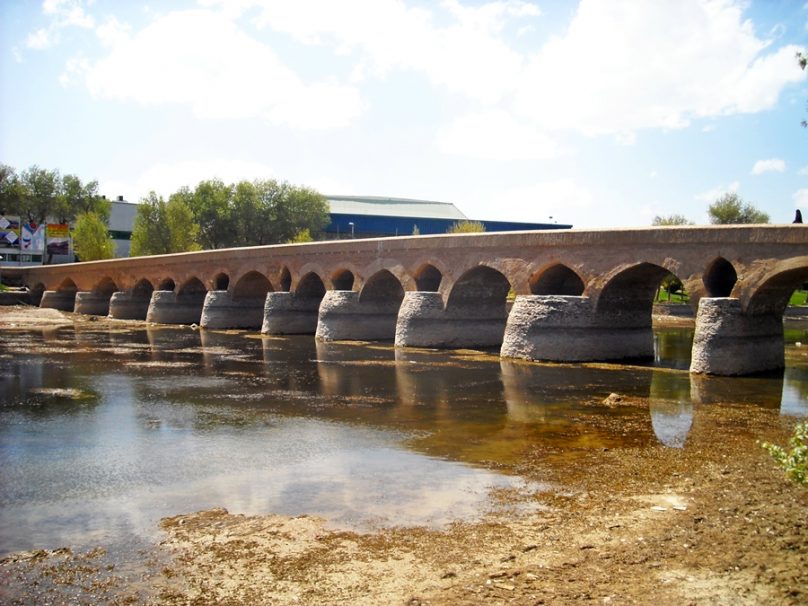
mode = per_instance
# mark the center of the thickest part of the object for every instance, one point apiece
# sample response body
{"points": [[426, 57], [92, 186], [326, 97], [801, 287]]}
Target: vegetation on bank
{"points": [[794, 461]]}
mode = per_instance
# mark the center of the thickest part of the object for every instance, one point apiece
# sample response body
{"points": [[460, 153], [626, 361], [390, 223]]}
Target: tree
{"points": [[39, 192], [671, 220], [466, 227], [211, 204], [731, 209], [164, 227], [75, 198], [91, 240]]}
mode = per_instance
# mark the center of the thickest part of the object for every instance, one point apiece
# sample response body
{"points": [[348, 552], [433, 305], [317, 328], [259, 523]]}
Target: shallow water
{"points": [[103, 432]]}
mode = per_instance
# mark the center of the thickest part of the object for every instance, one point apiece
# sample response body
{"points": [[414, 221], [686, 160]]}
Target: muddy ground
{"points": [[714, 523]]}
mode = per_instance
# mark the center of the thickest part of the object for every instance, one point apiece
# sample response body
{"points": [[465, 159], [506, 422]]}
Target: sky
{"points": [[593, 113]]}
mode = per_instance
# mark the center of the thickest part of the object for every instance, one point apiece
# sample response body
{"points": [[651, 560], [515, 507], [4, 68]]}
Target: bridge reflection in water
{"points": [[164, 420]]}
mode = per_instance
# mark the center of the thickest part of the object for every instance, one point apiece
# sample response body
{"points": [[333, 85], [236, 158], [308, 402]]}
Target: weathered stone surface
{"points": [[92, 303], [287, 313], [221, 310], [129, 305], [424, 322], [167, 307], [344, 317], [567, 329], [57, 299], [728, 341]]}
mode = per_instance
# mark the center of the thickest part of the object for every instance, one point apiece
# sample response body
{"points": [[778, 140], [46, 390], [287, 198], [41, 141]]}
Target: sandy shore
{"points": [[714, 523]]}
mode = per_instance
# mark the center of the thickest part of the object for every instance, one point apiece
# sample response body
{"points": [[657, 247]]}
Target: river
{"points": [[105, 430]]}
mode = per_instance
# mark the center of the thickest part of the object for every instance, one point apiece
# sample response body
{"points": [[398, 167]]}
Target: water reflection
{"points": [[179, 420]]}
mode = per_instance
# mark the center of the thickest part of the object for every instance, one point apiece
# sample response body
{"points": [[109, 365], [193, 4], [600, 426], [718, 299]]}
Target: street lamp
{"points": [[352, 228]]}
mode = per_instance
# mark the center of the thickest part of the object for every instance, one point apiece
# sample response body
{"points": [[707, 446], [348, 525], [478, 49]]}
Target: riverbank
{"points": [[713, 523]]}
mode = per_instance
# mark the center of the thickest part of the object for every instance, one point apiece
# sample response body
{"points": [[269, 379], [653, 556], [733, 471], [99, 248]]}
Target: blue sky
{"points": [[598, 113]]}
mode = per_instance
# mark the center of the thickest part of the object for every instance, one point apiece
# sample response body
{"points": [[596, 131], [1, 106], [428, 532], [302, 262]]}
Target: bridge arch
{"points": [[382, 286], [252, 285], [221, 281], [772, 294], [67, 285], [143, 287], [428, 278], [285, 280], [342, 279], [106, 286], [632, 287], [720, 278], [192, 286], [481, 285], [557, 279], [310, 286], [167, 284]]}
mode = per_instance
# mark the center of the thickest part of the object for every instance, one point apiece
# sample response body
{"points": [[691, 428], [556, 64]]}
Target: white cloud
{"points": [[69, 12], [711, 195], [495, 135], [624, 65], [112, 32], [199, 59], [468, 56], [772, 165], [803, 171], [40, 39], [558, 200], [801, 198], [167, 177]]}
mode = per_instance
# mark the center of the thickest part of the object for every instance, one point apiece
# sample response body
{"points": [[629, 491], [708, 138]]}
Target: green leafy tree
{"points": [[671, 220], [39, 193], [212, 205], [466, 227], [731, 209], [164, 227], [304, 235], [91, 240], [10, 190], [75, 198]]}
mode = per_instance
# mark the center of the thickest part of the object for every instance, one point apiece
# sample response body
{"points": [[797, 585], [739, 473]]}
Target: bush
{"points": [[795, 461]]}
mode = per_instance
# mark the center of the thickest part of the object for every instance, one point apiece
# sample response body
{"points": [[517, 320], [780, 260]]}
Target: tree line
{"points": [[211, 215], [217, 215]]}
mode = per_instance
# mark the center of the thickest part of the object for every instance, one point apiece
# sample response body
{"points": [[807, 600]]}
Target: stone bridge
{"points": [[579, 295]]}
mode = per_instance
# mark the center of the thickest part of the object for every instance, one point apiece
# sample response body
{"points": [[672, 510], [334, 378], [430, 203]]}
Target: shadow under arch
{"points": [[719, 278], [252, 285], [480, 286], [105, 287], [342, 279], [428, 278], [310, 286], [382, 287], [285, 281], [221, 281], [557, 279], [167, 284]]}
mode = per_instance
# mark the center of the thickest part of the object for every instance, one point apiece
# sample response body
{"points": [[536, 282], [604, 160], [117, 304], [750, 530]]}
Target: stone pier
{"points": [[166, 307], [287, 313], [423, 321], [92, 303], [728, 341], [129, 305], [222, 310], [562, 328], [344, 317], [63, 300]]}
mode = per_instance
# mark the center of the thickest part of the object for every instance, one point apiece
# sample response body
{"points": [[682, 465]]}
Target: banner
{"points": [[9, 232], [58, 239], [32, 238]]}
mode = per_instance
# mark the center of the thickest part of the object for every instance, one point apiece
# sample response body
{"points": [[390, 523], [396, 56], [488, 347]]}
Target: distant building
{"points": [[373, 217], [351, 216]]}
